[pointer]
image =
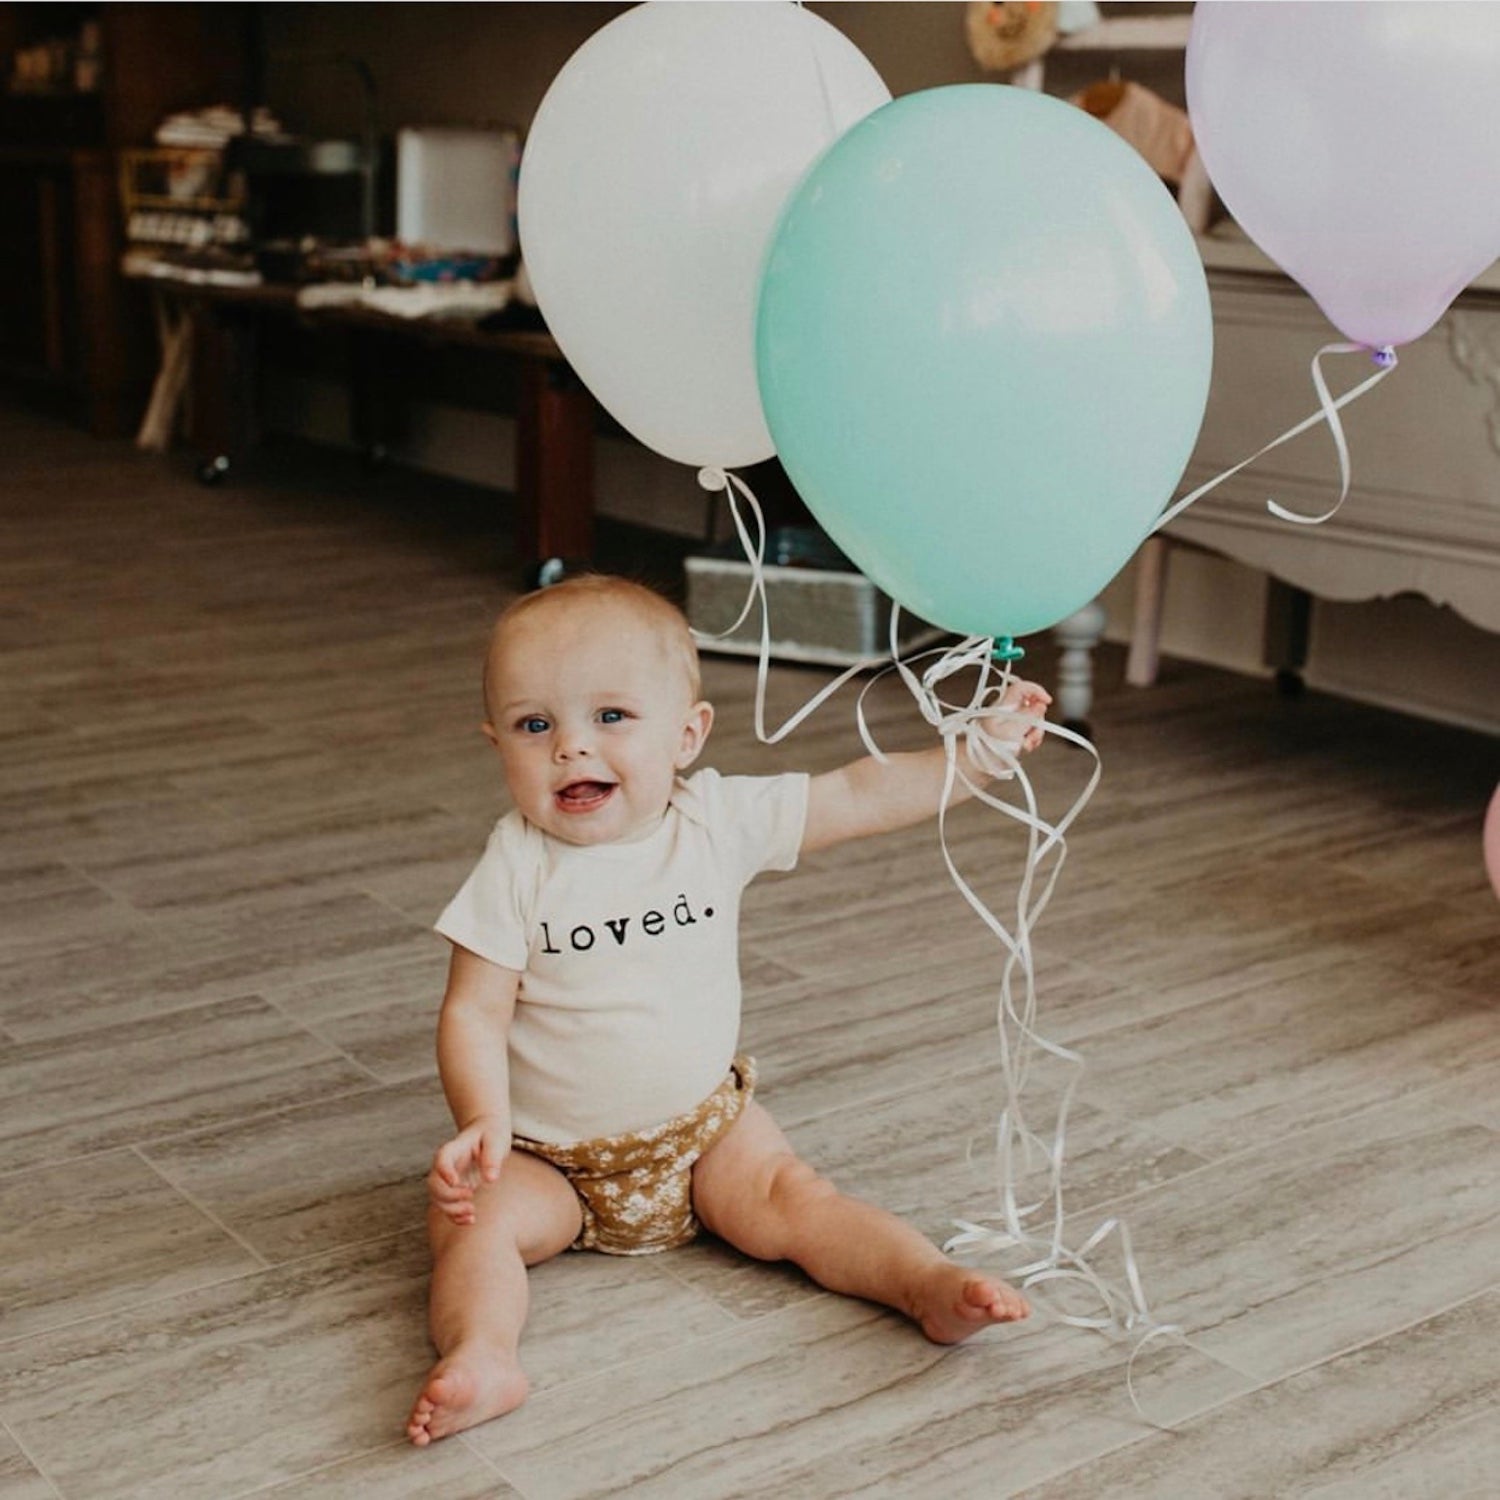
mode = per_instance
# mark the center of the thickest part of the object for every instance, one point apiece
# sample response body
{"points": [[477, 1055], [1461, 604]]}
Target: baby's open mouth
{"points": [[584, 796]]}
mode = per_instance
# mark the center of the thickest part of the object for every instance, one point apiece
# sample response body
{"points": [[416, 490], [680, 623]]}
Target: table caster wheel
{"points": [[213, 470], [545, 573]]}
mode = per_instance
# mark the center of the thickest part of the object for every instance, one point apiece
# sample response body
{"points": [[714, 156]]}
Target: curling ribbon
{"points": [[736, 489], [1328, 412], [995, 754]]}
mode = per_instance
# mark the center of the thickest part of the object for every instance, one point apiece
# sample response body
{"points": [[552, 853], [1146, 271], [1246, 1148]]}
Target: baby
{"points": [[587, 1035]]}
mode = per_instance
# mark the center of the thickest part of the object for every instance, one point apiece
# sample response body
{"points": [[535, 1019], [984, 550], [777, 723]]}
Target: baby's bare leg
{"points": [[751, 1189], [479, 1296]]}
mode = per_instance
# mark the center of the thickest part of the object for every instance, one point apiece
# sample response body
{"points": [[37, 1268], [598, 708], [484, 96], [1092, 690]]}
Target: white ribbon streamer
{"points": [[987, 732], [1328, 412], [755, 551]]}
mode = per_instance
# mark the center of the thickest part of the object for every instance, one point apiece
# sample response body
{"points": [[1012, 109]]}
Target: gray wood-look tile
{"points": [[1475, 1096], [446, 1471], [352, 844], [376, 983], [240, 773], [331, 1173], [189, 959], [827, 1397], [394, 1042], [1289, 1254], [93, 1236], [929, 1155], [1208, 935], [43, 900], [746, 1289], [127, 1084], [220, 1390], [19, 1479], [828, 1042], [1407, 1417], [1278, 1057]]}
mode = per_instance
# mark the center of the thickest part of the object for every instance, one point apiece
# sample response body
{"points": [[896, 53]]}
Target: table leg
{"points": [[1288, 632], [1078, 635], [224, 379], [1150, 597], [554, 465]]}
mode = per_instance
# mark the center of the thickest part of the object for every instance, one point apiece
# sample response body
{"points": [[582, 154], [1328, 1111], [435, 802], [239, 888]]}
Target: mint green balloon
{"points": [[983, 345]]}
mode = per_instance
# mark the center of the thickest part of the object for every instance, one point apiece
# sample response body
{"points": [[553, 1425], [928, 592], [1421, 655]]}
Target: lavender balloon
{"points": [[1355, 143]]}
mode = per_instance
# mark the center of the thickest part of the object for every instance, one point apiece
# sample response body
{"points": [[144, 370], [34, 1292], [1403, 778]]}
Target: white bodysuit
{"points": [[628, 1010]]}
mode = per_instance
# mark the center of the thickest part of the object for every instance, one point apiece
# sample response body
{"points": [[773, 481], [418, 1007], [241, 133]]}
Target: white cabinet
{"points": [[1423, 514]]}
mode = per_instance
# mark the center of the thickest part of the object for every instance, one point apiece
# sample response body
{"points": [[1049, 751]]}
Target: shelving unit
{"points": [[71, 333]]}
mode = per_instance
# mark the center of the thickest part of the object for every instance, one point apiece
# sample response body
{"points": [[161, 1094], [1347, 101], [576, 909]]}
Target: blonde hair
{"points": [[650, 608]]}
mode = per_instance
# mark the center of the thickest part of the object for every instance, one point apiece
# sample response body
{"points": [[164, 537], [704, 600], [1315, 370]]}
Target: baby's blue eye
{"points": [[611, 715], [535, 724]]}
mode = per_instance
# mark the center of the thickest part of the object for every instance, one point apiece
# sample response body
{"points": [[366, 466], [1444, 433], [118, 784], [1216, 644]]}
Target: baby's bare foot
{"points": [[462, 1390], [953, 1302]]}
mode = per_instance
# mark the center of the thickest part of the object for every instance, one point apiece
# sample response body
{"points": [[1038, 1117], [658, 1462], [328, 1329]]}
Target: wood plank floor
{"points": [[240, 773]]}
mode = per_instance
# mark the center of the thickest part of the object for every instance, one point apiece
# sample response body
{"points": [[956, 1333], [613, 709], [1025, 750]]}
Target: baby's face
{"points": [[593, 718]]}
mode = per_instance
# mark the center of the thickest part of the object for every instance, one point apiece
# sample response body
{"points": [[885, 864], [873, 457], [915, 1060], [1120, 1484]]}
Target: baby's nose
{"points": [[572, 744]]}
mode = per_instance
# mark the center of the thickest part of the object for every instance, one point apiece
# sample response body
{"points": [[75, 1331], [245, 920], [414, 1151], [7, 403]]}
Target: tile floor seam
{"points": [[488, 1462], [864, 1101], [118, 897], [1260, 1384], [192, 1200], [311, 1030], [255, 1116], [424, 923], [30, 1458], [1264, 1381], [1210, 1163], [10, 1174], [269, 993], [1111, 1207], [661, 1269], [135, 1307], [687, 1284], [176, 1010], [736, 1326], [342, 1247], [146, 1143], [1107, 1112], [308, 1473]]}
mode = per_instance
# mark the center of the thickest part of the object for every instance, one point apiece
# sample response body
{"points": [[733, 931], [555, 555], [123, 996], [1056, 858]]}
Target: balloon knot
{"points": [[1385, 356], [713, 479]]}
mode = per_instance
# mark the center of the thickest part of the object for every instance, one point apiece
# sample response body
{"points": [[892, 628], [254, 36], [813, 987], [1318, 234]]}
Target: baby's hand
{"points": [[1028, 698], [474, 1155]]}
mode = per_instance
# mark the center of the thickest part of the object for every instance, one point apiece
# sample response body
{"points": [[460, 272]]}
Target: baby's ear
{"points": [[695, 728], [488, 731]]}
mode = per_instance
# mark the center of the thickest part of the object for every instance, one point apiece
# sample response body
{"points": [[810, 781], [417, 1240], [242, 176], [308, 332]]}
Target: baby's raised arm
{"points": [[473, 1031], [871, 796]]}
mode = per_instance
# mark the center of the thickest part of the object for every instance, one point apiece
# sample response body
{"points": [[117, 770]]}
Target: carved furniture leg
{"points": [[1078, 635]]}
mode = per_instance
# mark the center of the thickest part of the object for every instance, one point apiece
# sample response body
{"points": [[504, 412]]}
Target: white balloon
{"points": [[653, 176]]}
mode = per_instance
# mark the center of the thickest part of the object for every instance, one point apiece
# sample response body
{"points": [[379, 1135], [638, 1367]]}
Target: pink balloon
{"points": [[1355, 143], [1492, 841]]}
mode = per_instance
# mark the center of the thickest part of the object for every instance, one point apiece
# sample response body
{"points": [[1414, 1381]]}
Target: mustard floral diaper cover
{"points": [[636, 1190]]}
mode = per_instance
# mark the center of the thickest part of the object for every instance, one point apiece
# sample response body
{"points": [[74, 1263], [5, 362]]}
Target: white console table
{"points": [[1423, 515]]}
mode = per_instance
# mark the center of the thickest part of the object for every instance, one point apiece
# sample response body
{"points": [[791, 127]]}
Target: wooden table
{"points": [[554, 481]]}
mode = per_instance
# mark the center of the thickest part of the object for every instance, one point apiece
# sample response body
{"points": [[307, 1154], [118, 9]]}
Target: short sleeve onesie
{"points": [[628, 1009]]}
